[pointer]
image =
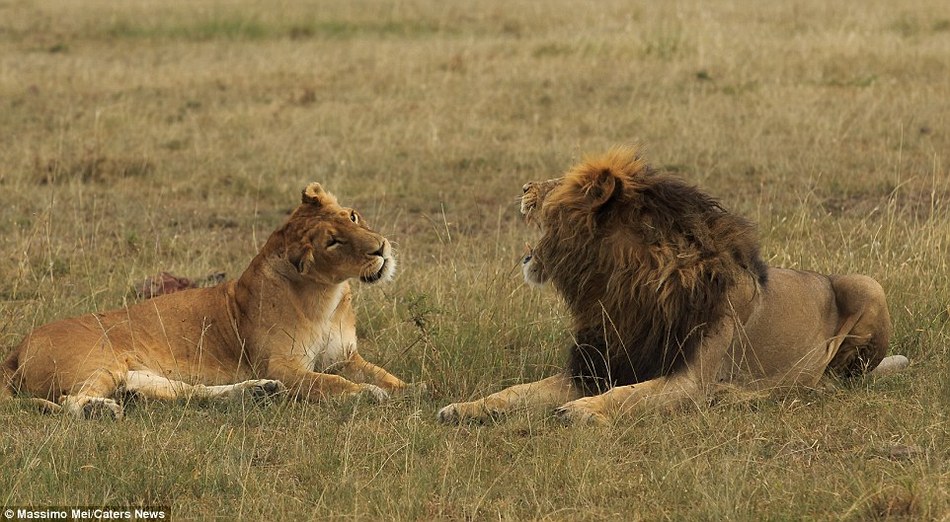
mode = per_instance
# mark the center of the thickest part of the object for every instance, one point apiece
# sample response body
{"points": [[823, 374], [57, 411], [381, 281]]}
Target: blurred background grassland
{"points": [[171, 135]]}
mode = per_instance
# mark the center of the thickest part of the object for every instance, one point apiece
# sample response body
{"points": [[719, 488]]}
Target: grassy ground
{"points": [[172, 135]]}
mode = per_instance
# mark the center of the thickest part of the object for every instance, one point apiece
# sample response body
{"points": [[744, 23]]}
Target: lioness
{"points": [[670, 299], [284, 322]]}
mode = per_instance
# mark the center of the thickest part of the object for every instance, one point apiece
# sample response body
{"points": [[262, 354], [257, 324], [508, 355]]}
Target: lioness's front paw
{"points": [[260, 388], [412, 389], [374, 392], [581, 411]]}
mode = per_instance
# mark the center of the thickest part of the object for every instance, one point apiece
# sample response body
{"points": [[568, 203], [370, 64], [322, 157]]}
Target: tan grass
{"points": [[174, 135]]}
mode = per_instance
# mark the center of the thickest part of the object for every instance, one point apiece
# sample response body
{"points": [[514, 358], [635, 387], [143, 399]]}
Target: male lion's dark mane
{"points": [[644, 262]]}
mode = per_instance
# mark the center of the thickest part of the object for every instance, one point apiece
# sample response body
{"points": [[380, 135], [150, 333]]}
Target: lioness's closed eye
{"points": [[285, 322]]}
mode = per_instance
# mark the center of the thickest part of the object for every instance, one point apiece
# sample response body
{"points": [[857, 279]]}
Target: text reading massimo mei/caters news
{"points": [[85, 513]]}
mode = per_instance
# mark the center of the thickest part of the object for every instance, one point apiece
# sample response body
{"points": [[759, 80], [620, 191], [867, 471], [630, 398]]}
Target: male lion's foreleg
{"points": [[687, 386], [359, 370], [545, 393], [663, 394]]}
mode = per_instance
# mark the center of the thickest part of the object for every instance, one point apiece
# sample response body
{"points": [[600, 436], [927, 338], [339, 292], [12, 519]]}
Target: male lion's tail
{"points": [[891, 364]]}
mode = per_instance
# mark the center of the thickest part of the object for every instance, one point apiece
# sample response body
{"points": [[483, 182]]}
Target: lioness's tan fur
{"points": [[670, 300], [285, 322]]}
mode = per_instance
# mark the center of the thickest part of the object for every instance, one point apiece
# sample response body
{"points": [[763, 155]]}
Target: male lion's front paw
{"points": [[581, 411], [450, 414], [477, 411], [373, 392]]}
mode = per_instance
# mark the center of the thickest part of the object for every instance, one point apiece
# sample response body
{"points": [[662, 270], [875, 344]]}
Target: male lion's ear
{"points": [[601, 187], [312, 194]]}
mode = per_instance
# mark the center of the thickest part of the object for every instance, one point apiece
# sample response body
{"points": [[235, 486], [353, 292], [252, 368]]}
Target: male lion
{"points": [[288, 317], [670, 300]]}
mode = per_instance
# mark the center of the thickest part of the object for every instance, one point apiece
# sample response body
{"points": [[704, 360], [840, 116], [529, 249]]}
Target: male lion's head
{"points": [[327, 243], [533, 194], [641, 258], [532, 197]]}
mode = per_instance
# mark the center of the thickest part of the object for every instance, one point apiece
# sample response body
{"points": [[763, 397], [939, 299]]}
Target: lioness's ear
{"points": [[300, 257], [601, 187], [312, 194]]}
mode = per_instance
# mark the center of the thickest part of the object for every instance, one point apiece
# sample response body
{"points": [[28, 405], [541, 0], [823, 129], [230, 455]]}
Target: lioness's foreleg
{"points": [[545, 393], [155, 386], [309, 385], [359, 370], [354, 367]]}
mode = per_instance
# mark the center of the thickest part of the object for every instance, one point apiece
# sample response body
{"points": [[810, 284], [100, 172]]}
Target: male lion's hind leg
{"points": [[545, 393], [865, 329], [153, 386]]}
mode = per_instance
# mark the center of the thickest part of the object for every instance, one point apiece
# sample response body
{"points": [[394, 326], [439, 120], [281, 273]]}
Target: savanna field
{"points": [[143, 136]]}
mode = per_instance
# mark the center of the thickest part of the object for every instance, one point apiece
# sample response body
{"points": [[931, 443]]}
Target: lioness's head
{"points": [[328, 243]]}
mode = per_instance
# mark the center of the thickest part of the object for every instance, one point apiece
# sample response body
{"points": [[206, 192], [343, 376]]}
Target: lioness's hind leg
{"points": [[44, 406], [87, 407], [93, 396], [251, 389], [865, 328], [154, 386]]}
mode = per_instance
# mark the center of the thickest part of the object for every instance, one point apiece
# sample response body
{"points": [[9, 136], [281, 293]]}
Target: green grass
{"points": [[149, 136]]}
